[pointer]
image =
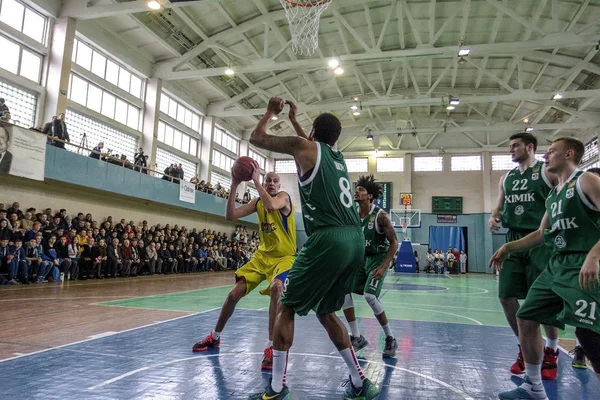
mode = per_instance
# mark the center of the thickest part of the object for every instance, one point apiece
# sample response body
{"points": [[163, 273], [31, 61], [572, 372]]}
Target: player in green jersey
{"points": [[568, 290], [381, 244], [520, 207], [324, 270]]}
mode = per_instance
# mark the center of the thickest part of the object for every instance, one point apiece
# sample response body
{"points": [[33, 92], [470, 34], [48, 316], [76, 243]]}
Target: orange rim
{"points": [[295, 4]]}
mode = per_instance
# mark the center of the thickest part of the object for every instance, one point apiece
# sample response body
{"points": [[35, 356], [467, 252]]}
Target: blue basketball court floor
{"points": [[453, 344]]}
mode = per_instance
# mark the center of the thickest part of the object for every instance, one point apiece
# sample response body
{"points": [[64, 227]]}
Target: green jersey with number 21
{"points": [[326, 195]]}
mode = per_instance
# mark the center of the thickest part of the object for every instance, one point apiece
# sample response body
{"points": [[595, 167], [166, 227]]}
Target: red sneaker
{"points": [[550, 364], [267, 362], [208, 343], [518, 368]]}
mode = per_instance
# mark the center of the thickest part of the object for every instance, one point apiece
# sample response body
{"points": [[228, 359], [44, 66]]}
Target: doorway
{"points": [[442, 237]]}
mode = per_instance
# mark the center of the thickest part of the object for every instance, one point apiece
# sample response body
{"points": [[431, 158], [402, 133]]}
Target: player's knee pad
{"points": [[590, 341], [348, 302], [374, 302]]}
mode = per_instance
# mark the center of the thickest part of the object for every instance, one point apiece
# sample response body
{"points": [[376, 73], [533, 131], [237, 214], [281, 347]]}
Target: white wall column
{"points": [[59, 69], [150, 122], [486, 185], [407, 173], [208, 127]]}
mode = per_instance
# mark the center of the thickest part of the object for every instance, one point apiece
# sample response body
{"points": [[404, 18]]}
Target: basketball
{"points": [[242, 169]]}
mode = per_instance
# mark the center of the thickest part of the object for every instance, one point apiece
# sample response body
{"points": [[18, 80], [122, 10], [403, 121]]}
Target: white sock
{"points": [[354, 328], [269, 344], [216, 335], [279, 370], [534, 372], [552, 343], [387, 330], [356, 374]]}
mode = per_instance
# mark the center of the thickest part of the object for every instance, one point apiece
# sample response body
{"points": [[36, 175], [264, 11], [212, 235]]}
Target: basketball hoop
{"points": [[303, 17]]}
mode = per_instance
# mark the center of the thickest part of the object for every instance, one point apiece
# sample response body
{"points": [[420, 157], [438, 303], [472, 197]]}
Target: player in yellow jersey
{"points": [[272, 260]]}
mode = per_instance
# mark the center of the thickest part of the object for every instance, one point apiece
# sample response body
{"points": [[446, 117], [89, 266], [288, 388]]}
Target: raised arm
{"points": [[385, 225], [233, 213], [496, 217], [292, 115], [588, 276], [272, 203], [304, 151]]}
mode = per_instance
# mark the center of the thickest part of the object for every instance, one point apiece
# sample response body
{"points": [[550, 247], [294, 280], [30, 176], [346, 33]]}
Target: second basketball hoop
{"points": [[303, 17]]}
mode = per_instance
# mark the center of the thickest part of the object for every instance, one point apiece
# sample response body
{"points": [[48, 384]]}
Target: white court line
{"points": [[116, 333], [437, 311], [462, 308], [71, 298], [439, 382]]}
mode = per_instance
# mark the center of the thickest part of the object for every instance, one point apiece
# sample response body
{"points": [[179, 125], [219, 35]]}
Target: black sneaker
{"points": [[390, 347], [578, 358], [207, 343]]}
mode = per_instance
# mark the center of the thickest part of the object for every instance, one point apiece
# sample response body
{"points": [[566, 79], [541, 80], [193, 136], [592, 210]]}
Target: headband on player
{"points": [[368, 182]]}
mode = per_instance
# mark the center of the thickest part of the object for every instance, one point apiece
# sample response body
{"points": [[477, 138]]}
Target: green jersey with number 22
{"points": [[326, 195]]}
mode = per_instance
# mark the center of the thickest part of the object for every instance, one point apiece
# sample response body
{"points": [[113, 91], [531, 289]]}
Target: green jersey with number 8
{"points": [[524, 197], [326, 194]]}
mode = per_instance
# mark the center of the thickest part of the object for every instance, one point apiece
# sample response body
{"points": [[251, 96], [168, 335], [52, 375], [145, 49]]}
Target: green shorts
{"points": [[557, 299], [520, 270], [364, 282], [324, 271]]}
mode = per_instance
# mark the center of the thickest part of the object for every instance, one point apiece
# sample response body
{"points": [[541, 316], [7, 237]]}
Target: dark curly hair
{"points": [[368, 182], [327, 128]]}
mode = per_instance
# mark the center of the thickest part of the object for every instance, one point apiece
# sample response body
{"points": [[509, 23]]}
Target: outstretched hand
{"points": [[293, 110], [276, 105]]}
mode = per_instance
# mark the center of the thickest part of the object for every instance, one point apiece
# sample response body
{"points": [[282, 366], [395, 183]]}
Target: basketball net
{"points": [[404, 224], [303, 17]]}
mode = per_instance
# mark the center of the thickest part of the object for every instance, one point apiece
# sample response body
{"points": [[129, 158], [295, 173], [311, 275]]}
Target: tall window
{"points": [[285, 167], [390, 164], [504, 162], [175, 138], [165, 158], [19, 60], [24, 19], [117, 141], [99, 64], [465, 163], [591, 152], [223, 180], [22, 104], [428, 164], [259, 158], [224, 139], [179, 112], [357, 164], [95, 98], [222, 161]]}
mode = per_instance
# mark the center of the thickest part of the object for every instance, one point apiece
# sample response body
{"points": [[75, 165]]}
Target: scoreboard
{"points": [[406, 199], [446, 205]]}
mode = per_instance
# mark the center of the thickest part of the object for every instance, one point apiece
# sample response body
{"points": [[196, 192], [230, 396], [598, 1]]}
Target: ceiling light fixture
{"points": [[355, 98], [464, 52], [274, 118], [557, 96], [369, 137], [154, 5], [338, 71], [529, 129], [450, 107], [526, 120], [229, 71], [356, 113], [354, 107], [334, 63], [454, 102]]}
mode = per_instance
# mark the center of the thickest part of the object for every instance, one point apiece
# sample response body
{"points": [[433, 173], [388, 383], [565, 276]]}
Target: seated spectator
{"points": [[3, 107], [62, 250], [115, 258], [97, 151], [154, 262], [5, 231], [190, 262], [37, 267], [74, 252], [18, 271]]}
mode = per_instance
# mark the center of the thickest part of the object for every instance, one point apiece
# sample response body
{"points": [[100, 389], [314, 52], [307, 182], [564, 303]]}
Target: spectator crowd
{"points": [[40, 247]]}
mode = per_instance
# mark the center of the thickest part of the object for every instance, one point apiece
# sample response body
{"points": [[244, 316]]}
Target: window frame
{"points": [[400, 161], [465, 168], [352, 162], [26, 9], [431, 158]]}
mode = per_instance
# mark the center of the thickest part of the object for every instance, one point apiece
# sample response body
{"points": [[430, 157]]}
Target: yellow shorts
{"points": [[262, 267]]}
